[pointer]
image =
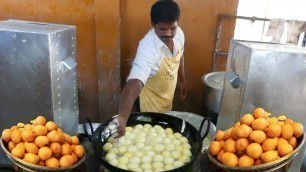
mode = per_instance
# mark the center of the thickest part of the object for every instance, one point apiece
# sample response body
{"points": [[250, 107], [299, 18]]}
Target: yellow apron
{"points": [[158, 92]]}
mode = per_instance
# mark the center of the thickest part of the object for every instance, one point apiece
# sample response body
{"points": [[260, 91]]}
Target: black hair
{"points": [[165, 11]]}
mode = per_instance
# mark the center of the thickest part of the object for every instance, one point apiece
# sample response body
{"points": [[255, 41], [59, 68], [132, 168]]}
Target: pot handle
{"points": [[89, 136], [207, 128]]}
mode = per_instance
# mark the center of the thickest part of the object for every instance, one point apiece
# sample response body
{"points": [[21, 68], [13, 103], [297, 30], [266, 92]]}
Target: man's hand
{"points": [[121, 127], [182, 90]]}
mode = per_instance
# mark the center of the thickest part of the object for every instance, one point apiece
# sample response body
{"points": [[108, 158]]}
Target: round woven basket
{"points": [[32, 167], [271, 166]]}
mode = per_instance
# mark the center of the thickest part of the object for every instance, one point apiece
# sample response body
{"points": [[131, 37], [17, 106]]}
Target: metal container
{"points": [[38, 74], [213, 90], [264, 75]]}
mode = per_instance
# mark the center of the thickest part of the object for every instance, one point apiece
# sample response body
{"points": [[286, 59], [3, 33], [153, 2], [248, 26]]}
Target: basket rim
{"points": [[38, 167], [261, 166]]}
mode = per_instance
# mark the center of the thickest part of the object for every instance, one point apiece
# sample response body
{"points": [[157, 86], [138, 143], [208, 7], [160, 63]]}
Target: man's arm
{"points": [[181, 77], [129, 94]]}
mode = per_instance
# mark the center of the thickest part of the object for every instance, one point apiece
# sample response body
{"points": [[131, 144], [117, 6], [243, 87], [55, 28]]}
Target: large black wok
{"points": [[166, 121]]}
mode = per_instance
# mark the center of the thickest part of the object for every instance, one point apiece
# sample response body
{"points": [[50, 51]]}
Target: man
{"points": [[158, 63]]}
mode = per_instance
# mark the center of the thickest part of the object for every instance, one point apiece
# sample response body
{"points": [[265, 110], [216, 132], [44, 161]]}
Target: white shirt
{"points": [[150, 52]]}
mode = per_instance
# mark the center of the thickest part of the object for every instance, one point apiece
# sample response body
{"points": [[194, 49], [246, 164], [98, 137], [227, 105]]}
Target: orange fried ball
{"points": [[79, 151], [52, 162], [260, 113], [254, 150], [269, 156], [298, 129], [247, 119], [31, 158], [6, 135], [50, 125], [229, 159], [75, 140], [44, 153], [287, 131], [245, 161], [66, 161], [214, 148], [40, 120]]}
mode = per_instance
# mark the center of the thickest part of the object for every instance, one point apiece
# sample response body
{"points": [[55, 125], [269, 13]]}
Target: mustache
{"points": [[167, 37]]}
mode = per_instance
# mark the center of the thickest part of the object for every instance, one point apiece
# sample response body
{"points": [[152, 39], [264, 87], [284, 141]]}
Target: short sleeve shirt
{"points": [[150, 52]]}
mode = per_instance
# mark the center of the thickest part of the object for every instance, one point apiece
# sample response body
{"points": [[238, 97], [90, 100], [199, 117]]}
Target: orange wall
{"points": [[107, 36], [199, 22]]}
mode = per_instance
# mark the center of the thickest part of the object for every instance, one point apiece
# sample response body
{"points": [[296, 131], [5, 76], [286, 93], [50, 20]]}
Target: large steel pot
{"points": [[166, 121], [213, 90]]}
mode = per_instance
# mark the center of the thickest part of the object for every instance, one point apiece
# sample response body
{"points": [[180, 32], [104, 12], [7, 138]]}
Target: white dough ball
{"points": [[132, 149], [139, 126], [113, 150], [176, 142], [160, 131], [184, 158], [127, 129], [147, 148], [123, 166], [139, 139], [111, 140], [152, 130], [140, 145], [157, 139], [158, 127], [136, 130], [162, 135], [179, 148], [139, 154], [187, 152], [107, 146], [128, 154], [168, 167], [146, 159], [127, 142], [157, 165], [184, 140], [150, 153], [146, 166], [166, 154], [158, 158], [177, 164], [132, 166], [159, 148], [151, 134], [169, 131], [122, 149], [114, 162], [135, 160], [166, 141], [170, 147], [130, 136], [186, 145], [178, 135], [109, 156], [168, 160], [147, 126], [123, 160], [171, 136], [176, 154], [138, 169]]}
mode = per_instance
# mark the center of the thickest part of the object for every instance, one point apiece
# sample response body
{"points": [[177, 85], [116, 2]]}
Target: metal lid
{"points": [[214, 80]]}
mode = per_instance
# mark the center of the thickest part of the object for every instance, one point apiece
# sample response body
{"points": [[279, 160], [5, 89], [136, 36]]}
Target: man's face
{"points": [[165, 31]]}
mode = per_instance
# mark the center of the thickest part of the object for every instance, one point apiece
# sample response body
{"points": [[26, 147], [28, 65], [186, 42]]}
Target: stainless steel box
{"points": [[265, 75], [38, 74]]}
